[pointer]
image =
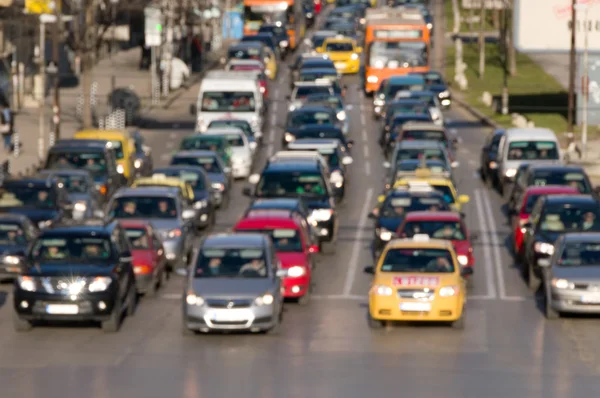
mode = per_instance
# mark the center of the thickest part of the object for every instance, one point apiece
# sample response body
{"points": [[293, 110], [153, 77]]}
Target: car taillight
{"points": [[142, 269], [262, 89], [523, 221], [103, 189]]}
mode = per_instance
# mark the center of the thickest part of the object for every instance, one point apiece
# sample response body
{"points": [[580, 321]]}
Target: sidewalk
{"points": [[119, 71], [556, 65]]}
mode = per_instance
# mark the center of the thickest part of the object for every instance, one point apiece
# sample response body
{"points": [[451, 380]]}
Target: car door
{"points": [[158, 253], [534, 219], [124, 261]]}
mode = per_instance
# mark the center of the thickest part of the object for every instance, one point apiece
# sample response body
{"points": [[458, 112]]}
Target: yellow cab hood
{"points": [[340, 55]]}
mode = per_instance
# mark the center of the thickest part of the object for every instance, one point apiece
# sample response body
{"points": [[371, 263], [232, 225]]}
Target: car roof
{"points": [[229, 120], [314, 143], [89, 144], [406, 101], [412, 115], [291, 165], [291, 202], [317, 70], [556, 168], [422, 126], [581, 237], [52, 172], [223, 131], [194, 153], [433, 216], [320, 127], [417, 144], [149, 191], [416, 93], [234, 240], [93, 227], [245, 45], [403, 79], [402, 192], [570, 199], [313, 108], [12, 217], [530, 134], [549, 189], [197, 169]]}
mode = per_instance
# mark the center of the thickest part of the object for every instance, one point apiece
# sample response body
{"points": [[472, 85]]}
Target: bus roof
{"points": [[391, 16], [270, 3]]}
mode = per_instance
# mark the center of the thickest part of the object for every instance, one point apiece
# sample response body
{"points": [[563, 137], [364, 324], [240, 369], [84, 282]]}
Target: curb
{"points": [[480, 116]]}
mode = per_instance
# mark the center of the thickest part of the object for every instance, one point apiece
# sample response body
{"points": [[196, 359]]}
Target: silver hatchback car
{"points": [[233, 283]]}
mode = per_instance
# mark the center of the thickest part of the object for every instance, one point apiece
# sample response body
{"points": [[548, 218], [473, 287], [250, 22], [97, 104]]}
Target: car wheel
{"points": [[460, 322], [163, 278], [304, 300], [132, 300], [112, 324], [20, 324], [185, 331], [550, 312], [153, 288], [374, 323], [533, 282]]}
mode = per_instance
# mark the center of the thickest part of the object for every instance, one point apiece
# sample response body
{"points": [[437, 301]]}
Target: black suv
{"points": [[78, 271], [293, 178]]}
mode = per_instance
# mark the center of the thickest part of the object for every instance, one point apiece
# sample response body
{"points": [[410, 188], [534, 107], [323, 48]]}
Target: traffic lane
{"points": [[489, 205]]}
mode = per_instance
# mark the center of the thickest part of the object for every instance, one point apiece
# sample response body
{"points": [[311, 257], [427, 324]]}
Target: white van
{"points": [[526, 145], [229, 95]]}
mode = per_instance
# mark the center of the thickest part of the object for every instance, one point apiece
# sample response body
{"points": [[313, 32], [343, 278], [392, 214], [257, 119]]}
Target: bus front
{"points": [[287, 13], [393, 50]]}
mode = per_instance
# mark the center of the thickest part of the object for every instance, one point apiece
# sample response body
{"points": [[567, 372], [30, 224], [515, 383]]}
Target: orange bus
{"points": [[288, 12], [397, 42]]}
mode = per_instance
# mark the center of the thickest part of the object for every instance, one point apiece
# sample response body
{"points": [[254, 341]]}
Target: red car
{"points": [[293, 244], [445, 225], [530, 196], [149, 261], [317, 7]]}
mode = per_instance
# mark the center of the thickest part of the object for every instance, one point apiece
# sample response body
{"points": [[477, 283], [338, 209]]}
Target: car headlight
{"points": [[560, 283], [511, 173], [266, 299], [80, 207], [429, 26], [192, 299], [309, 15], [354, 56], [44, 224], [218, 186], [372, 79], [378, 102], [296, 271], [444, 94], [362, 21], [493, 165], [341, 115], [289, 137], [120, 169], [200, 204], [381, 290], [137, 163], [449, 291], [14, 260], [544, 248], [174, 233], [463, 260], [26, 283], [321, 214], [99, 284], [337, 179], [384, 234], [283, 43]]}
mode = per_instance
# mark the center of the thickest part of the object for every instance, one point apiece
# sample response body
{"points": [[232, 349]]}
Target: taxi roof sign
{"points": [[421, 238], [419, 186]]}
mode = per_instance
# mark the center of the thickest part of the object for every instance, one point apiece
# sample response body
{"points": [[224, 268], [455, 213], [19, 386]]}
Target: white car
{"points": [[242, 150]]}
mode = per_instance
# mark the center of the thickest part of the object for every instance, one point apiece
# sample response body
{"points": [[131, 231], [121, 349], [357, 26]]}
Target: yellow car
{"points": [[158, 180], [417, 279], [344, 53], [121, 142], [437, 183]]}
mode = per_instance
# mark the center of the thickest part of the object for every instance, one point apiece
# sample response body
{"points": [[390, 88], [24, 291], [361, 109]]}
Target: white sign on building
{"points": [[545, 25], [489, 4]]}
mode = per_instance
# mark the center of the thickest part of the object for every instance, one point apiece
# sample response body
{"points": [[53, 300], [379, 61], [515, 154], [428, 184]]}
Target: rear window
{"points": [[339, 47], [303, 92], [424, 135], [285, 240], [137, 238], [299, 119], [448, 230], [575, 180]]}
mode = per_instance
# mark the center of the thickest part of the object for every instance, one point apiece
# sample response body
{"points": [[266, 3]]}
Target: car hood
{"points": [[69, 269], [289, 259], [35, 215], [587, 274], [390, 223], [157, 223], [6, 250], [141, 257], [200, 195], [231, 288]]}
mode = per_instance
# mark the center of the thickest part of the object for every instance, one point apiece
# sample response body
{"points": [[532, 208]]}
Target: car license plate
{"points": [[340, 65], [232, 315], [590, 299], [416, 307], [62, 309]]}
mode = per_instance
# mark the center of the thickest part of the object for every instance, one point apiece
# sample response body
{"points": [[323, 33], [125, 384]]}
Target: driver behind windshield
{"points": [[256, 266], [310, 187], [165, 210]]}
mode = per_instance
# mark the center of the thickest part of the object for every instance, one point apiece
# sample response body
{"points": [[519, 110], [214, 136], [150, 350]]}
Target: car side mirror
{"points": [[466, 271], [181, 271], [193, 109], [350, 143], [126, 258], [247, 191], [253, 179], [313, 249], [188, 214], [281, 273], [369, 270], [387, 165], [454, 164], [347, 160]]}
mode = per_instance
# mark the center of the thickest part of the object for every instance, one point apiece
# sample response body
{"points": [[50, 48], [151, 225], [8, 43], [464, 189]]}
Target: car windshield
{"points": [[397, 207], [285, 240], [394, 89], [94, 162], [580, 254], [415, 154], [533, 150], [302, 118], [426, 135], [72, 249], [118, 147], [449, 230], [573, 179], [304, 91], [73, 183], [209, 163], [332, 100], [162, 207], [399, 121], [138, 238], [397, 54], [231, 263], [234, 140], [410, 165], [203, 143], [427, 99], [11, 233], [239, 124], [228, 101], [311, 76], [418, 260], [570, 218], [397, 109], [291, 184], [318, 40], [432, 78], [245, 53], [531, 199], [27, 196], [446, 192], [339, 47], [266, 41], [195, 179]]}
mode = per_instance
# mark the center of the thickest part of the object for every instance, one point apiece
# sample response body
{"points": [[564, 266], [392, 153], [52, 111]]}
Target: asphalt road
{"points": [[325, 349]]}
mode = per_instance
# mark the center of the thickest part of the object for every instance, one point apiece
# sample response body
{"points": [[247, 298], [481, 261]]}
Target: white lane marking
{"points": [[487, 254], [363, 133], [366, 152], [496, 248], [367, 168], [363, 120], [172, 296], [357, 247], [270, 149], [273, 119], [173, 135], [452, 131], [276, 93]]}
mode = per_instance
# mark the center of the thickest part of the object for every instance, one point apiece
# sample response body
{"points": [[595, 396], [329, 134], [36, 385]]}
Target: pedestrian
{"points": [[6, 125], [207, 37]]}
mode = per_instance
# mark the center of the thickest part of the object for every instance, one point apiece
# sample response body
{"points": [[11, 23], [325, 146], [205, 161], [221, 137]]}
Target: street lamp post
{"points": [[585, 80]]}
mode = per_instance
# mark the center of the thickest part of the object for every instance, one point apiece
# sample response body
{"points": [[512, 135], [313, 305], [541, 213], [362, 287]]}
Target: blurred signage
{"points": [[489, 4], [40, 6], [398, 34], [545, 25], [153, 24], [592, 87]]}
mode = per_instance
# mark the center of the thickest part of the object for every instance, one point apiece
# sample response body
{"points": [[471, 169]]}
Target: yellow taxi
{"points": [[418, 279], [437, 183], [344, 52], [121, 142], [158, 180]]}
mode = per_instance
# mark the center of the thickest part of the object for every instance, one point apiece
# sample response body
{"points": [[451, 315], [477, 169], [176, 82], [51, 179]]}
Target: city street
{"points": [[324, 349]]}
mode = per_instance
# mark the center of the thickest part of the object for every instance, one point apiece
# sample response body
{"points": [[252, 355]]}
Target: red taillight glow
{"points": [[142, 269]]}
